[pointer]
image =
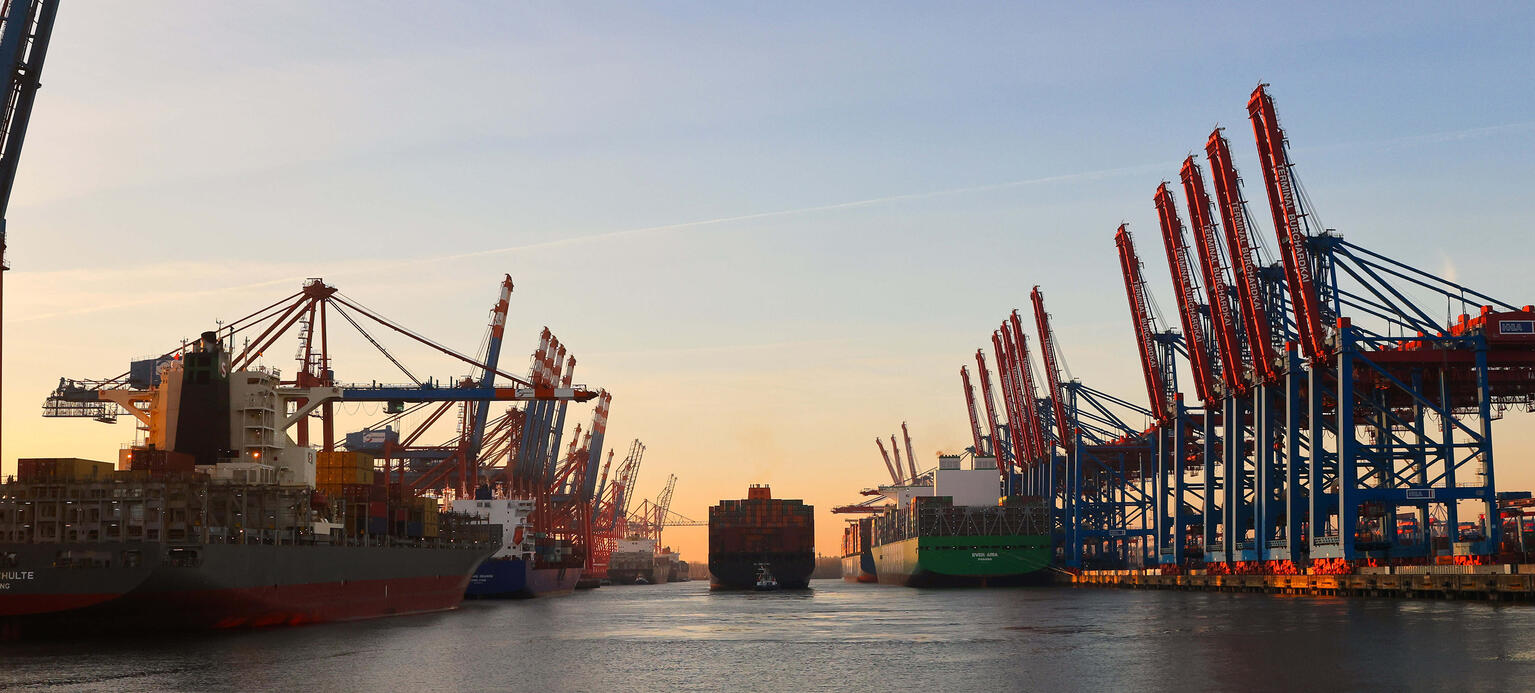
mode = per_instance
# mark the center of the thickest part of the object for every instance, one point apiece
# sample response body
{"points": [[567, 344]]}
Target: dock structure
{"points": [[1513, 582], [1338, 432]]}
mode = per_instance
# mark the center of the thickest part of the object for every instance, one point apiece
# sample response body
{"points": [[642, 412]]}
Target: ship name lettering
{"points": [[16, 575]]}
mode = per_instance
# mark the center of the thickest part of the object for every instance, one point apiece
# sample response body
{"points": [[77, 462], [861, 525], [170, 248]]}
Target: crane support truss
{"points": [[1102, 502]]}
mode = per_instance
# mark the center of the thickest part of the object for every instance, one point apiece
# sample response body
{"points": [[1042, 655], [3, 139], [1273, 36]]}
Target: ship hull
{"points": [[964, 561], [514, 578], [215, 586], [33, 579], [739, 571], [859, 567]]}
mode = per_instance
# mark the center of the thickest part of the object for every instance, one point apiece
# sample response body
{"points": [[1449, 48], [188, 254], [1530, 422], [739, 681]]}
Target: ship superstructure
{"points": [[514, 571]]}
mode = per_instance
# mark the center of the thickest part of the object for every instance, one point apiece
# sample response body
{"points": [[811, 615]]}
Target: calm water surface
{"points": [[682, 637]]}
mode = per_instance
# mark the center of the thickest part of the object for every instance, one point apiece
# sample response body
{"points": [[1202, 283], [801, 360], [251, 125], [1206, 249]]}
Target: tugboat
{"points": [[765, 580]]}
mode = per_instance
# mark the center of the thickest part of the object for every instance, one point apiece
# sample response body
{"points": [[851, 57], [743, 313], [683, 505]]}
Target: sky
{"points": [[773, 231]]}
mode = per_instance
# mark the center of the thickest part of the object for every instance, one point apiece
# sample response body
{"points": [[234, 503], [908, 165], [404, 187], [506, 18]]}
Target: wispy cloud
{"points": [[354, 268], [1442, 137]]}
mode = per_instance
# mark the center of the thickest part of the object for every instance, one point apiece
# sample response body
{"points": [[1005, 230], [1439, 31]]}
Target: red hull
{"points": [[23, 604], [257, 607]]}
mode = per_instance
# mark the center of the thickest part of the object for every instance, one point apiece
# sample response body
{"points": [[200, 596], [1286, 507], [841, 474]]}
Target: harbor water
{"points": [[836, 636]]}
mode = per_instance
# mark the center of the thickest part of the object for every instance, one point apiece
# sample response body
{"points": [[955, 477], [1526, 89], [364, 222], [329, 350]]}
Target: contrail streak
{"points": [[868, 202]]}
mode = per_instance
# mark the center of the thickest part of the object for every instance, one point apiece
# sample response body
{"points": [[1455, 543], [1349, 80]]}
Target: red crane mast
{"points": [[975, 422], [1240, 248], [1195, 338], [1212, 266], [1009, 399], [895, 476], [1140, 313], [991, 409], [1030, 404], [1289, 223], [911, 458], [1052, 367], [1024, 432]]}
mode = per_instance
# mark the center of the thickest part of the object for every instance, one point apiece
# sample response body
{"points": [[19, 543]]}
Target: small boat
{"points": [[765, 580], [641, 580]]}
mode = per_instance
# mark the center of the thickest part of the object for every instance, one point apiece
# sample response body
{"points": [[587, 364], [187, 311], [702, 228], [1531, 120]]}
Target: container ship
{"points": [[858, 551], [746, 536], [955, 530], [516, 570], [636, 562], [220, 521]]}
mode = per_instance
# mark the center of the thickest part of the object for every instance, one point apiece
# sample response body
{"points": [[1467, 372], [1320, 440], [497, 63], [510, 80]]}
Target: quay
{"points": [[1507, 582]]}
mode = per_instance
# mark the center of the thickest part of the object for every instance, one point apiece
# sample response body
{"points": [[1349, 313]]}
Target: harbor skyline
{"points": [[773, 237]]}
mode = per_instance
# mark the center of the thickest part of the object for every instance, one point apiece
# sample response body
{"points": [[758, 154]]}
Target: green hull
{"points": [[973, 561]]}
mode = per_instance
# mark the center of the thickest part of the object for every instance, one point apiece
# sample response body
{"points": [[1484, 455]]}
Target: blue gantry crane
{"points": [[1340, 422], [24, 36]]}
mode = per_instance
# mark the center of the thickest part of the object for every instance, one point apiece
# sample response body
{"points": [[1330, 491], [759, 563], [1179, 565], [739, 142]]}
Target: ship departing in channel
{"points": [[761, 534]]}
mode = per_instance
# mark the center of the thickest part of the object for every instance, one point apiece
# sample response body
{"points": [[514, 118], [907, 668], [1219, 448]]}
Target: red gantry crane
{"points": [[895, 474], [1290, 225], [997, 447], [975, 422]]}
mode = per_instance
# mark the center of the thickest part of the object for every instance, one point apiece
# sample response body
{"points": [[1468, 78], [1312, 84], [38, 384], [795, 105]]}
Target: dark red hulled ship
{"points": [[761, 534], [220, 521]]}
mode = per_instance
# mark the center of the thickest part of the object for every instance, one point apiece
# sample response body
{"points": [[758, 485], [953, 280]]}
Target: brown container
{"points": [[62, 469]]}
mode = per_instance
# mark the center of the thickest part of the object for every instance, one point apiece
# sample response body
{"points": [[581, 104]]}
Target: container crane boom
{"points": [[991, 409], [1212, 266], [1030, 401], [1052, 366], [895, 449], [488, 374], [975, 422], [664, 506], [911, 459], [1241, 250], [1157, 389], [1011, 451], [1195, 337], [1022, 432], [23, 47], [558, 431], [1289, 224], [599, 432], [895, 476]]}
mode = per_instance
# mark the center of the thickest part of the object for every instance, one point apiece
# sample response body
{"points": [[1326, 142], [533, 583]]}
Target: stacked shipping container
{"points": [[760, 531]]}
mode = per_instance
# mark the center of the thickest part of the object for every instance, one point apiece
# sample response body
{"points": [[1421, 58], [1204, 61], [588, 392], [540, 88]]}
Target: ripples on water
{"points": [[682, 637]]}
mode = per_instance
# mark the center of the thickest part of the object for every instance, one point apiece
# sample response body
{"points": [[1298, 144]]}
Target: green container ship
{"points": [[934, 543]]}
